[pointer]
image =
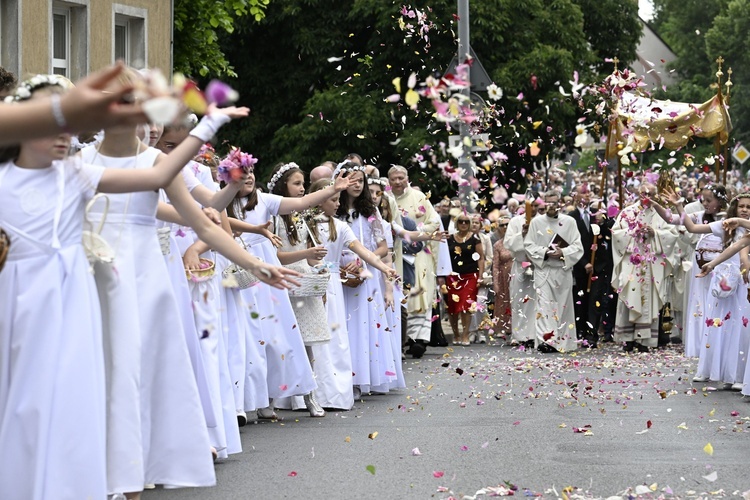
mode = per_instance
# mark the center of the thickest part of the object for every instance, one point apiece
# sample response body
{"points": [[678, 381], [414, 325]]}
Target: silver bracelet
{"points": [[57, 112]]}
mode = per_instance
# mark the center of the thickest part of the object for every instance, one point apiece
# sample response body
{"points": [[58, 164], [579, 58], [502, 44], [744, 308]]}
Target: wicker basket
{"points": [[235, 276], [238, 277], [311, 285], [350, 280], [205, 273], [4, 248]]}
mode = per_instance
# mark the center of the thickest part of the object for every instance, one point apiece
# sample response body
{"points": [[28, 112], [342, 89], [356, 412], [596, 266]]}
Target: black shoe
{"points": [[528, 344], [241, 418], [675, 340], [628, 347], [608, 338], [641, 347], [416, 349], [546, 348]]}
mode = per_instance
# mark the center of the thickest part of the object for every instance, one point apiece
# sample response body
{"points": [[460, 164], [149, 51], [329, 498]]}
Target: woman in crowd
{"points": [[460, 293]]}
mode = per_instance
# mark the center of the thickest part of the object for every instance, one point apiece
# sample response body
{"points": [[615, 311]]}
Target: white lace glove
{"points": [[209, 126]]}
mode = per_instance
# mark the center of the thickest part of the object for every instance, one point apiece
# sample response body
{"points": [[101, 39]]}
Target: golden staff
{"points": [[717, 142], [726, 146]]}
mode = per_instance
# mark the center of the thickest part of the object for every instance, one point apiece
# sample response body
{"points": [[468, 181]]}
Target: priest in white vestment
{"points": [[553, 245], [522, 293], [415, 205], [642, 248]]}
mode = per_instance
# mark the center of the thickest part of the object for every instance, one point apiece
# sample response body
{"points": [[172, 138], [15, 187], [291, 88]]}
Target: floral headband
{"points": [[715, 191], [347, 166], [277, 176], [381, 182], [27, 87], [234, 165], [207, 156]]}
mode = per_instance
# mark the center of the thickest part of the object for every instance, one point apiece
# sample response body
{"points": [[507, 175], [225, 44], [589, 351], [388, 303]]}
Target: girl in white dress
{"points": [[392, 313], [707, 245], [334, 359], [153, 400], [52, 394], [370, 342], [298, 252], [725, 305], [287, 368]]}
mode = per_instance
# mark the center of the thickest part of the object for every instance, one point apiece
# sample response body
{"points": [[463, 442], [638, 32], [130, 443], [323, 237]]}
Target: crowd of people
{"points": [[146, 295]]}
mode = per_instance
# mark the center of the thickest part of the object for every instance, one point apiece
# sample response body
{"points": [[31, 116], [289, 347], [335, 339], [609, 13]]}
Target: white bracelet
{"points": [[209, 126], [57, 112]]}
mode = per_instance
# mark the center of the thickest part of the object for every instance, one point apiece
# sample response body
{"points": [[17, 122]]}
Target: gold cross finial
{"points": [[719, 72], [615, 60], [720, 61]]}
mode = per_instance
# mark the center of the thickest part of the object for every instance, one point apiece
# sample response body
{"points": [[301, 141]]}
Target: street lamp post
{"points": [[464, 163]]}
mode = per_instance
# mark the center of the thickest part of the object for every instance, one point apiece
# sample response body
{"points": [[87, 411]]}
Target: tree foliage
{"points": [[316, 73], [196, 27], [699, 31]]}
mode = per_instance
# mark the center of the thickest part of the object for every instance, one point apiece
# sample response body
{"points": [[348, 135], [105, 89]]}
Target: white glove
{"points": [[209, 126]]}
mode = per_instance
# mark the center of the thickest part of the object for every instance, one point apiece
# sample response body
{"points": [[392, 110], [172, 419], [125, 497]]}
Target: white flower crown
{"points": [[284, 168], [347, 166], [382, 181], [27, 87]]}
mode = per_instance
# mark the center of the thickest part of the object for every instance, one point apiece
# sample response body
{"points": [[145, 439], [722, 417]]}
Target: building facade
{"points": [[75, 37]]}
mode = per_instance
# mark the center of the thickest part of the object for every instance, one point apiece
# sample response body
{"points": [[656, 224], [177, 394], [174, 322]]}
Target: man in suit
{"points": [[602, 298], [583, 268]]}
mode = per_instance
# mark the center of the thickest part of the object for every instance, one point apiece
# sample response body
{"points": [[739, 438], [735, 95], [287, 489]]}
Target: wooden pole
{"points": [[605, 163], [717, 150], [717, 143], [726, 162], [593, 258]]}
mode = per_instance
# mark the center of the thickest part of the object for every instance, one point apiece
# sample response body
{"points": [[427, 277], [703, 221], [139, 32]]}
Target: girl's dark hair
{"points": [[363, 204], [10, 153], [385, 209], [332, 233], [241, 204], [732, 212], [720, 193], [280, 188]]}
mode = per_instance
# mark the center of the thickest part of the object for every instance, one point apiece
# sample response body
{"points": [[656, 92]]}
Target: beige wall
{"points": [[35, 33]]}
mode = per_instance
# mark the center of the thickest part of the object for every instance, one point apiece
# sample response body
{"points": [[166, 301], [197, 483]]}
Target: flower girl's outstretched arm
{"points": [[723, 256], [372, 259], [216, 238], [168, 166], [84, 107], [685, 219]]}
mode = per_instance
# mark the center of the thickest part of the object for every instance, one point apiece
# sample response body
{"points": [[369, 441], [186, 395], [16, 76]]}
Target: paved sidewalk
{"points": [[486, 417]]}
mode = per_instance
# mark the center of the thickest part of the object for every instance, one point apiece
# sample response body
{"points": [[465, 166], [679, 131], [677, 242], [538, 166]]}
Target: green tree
{"points": [[699, 31], [196, 27], [729, 37], [308, 108]]}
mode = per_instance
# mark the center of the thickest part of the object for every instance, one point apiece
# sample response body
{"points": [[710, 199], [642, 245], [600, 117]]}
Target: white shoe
{"points": [[700, 379], [313, 407], [738, 386], [482, 339], [472, 338]]}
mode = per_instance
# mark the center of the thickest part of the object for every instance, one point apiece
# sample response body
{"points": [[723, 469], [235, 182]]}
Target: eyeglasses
{"points": [[462, 222]]}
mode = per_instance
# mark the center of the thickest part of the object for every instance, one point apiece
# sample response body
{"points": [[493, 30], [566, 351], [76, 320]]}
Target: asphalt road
{"points": [[476, 420]]}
